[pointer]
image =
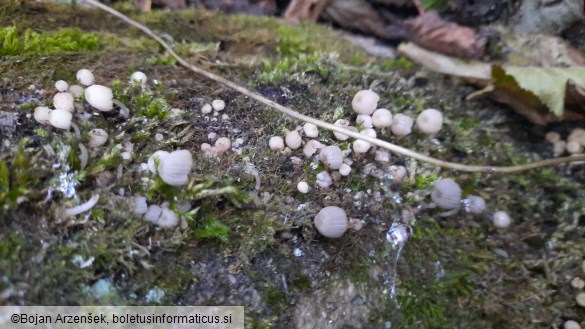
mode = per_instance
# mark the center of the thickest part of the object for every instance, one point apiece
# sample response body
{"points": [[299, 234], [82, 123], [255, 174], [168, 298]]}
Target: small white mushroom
{"points": [[154, 158], [63, 101], [311, 147], [206, 109], [580, 298], [139, 78], [41, 114], [276, 143], [168, 218], [223, 144], [174, 168], [85, 77], [574, 147], [577, 283], [345, 124], [153, 213], [365, 102], [364, 121], [382, 118], [446, 194], [474, 204], [100, 97], [356, 224], [360, 147], [293, 140], [76, 90], [218, 105], [429, 121], [60, 119], [571, 324], [344, 169], [97, 137], [401, 125], [61, 85], [311, 130], [331, 222], [324, 180], [140, 206], [502, 219], [331, 156], [303, 187]]}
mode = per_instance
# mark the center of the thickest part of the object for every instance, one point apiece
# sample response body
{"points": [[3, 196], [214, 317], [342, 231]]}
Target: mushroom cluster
{"points": [[64, 101]]}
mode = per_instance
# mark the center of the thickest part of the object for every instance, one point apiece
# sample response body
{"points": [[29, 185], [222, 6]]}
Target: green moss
{"points": [[402, 63], [16, 180], [211, 227], [14, 42], [276, 299]]}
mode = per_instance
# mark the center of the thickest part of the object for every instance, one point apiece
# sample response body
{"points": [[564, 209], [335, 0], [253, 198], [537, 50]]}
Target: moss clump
{"points": [[15, 183], [15, 43]]}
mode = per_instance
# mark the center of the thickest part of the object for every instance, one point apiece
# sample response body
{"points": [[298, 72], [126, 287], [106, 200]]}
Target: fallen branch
{"points": [[285, 110]]}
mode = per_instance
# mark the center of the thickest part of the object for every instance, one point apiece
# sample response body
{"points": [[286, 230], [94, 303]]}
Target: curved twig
{"points": [[296, 115]]}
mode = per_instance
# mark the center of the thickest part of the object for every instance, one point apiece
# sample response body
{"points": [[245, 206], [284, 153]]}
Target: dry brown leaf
{"points": [[541, 94], [431, 32], [305, 10], [357, 15]]}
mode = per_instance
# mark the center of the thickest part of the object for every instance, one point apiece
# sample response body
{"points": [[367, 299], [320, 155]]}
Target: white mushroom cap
{"points": [[474, 204], [446, 194], [364, 121], [97, 137], [153, 213], [343, 123], [331, 156], [100, 97], [85, 77], [60, 119], [429, 121], [138, 77], [365, 102], [311, 130], [303, 187], [174, 169], [168, 218], [324, 180], [206, 109], [331, 222], [76, 90], [61, 85], [63, 101], [502, 219], [276, 143], [360, 146], [293, 140], [41, 114], [140, 206], [580, 298], [571, 324], [401, 125], [223, 144], [218, 105], [160, 155], [382, 118], [311, 147], [345, 169]]}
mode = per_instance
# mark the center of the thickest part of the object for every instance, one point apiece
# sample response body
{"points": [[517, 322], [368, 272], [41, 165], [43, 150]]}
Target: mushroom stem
{"points": [[82, 207], [124, 111], [374, 141]]}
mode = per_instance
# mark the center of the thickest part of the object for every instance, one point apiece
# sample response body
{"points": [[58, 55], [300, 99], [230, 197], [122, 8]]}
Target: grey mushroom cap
{"points": [[446, 194]]}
